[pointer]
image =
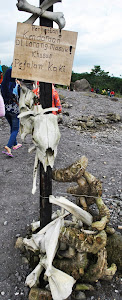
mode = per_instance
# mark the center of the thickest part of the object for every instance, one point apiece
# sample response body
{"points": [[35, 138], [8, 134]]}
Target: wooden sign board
{"points": [[44, 54]]}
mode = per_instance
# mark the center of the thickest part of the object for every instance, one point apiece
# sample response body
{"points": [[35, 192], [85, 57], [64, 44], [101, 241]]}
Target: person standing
{"points": [[108, 91], [56, 101], [1, 75], [11, 98], [55, 98], [112, 94]]}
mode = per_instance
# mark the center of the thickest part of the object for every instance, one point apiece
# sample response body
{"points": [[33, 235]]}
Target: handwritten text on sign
{"points": [[43, 53]]}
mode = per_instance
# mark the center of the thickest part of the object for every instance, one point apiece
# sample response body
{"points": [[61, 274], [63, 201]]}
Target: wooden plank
{"points": [[45, 177], [43, 53], [45, 192]]}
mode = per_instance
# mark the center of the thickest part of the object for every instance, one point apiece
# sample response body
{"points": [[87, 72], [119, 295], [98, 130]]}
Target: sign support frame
{"points": [[45, 177]]}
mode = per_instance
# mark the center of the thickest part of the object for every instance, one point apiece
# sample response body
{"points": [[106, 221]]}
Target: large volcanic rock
{"points": [[82, 85]]}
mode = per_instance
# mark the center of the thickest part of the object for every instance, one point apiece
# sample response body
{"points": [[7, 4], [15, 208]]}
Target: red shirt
{"points": [[112, 93], [56, 101]]}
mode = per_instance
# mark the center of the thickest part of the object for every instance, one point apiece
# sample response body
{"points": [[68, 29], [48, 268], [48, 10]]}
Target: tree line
{"points": [[99, 79]]}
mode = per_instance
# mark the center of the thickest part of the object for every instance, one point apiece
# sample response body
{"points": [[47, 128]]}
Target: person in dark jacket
{"points": [[11, 110], [1, 75]]}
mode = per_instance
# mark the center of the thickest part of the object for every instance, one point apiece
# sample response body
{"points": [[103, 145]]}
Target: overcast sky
{"points": [[99, 27]]}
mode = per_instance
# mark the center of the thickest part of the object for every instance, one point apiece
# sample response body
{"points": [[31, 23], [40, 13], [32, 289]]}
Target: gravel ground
{"points": [[103, 148]]}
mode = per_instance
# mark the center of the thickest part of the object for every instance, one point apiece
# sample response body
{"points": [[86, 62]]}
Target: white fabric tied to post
{"points": [[60, 283]]}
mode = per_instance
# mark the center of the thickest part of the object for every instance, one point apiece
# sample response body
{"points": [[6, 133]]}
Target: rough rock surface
{"points": [[82, 85], [102, 145]]}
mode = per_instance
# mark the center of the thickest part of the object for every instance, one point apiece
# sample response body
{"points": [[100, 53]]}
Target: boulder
{"points": [[82, 85]]}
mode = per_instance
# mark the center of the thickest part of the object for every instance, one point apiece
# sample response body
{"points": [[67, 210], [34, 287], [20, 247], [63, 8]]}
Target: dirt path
{"points": [[103, 148]]}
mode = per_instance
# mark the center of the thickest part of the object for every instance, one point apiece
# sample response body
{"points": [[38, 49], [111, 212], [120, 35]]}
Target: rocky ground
{"points": [[91, 126]]}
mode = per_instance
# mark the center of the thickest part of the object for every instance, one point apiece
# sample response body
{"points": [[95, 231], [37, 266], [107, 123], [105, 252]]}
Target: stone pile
{"points": [[82, 250], [94, 122]]}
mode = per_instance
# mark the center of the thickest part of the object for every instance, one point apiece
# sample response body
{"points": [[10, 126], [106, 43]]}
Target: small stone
{"points": [[2, 293], [80, 296], [116, 291], [66, 113], [121, 196], [24, 260], [90, 124], [5, 223], [19, 278], [120, 212], [116, 196], [63, 246], [110, 230], [47, 287], [19, 243], [119, 227], [16, 294], [18, 234], [78, 128]]}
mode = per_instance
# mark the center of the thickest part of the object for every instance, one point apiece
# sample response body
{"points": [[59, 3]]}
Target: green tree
{"points": [[4, 68], [98, 72]]}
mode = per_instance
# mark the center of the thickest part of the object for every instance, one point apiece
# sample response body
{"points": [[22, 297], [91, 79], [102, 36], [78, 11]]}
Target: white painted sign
{"points": [[44, 54]]}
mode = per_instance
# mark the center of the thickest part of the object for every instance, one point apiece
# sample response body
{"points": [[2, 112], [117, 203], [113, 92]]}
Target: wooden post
{"points": [[45, 177]]}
